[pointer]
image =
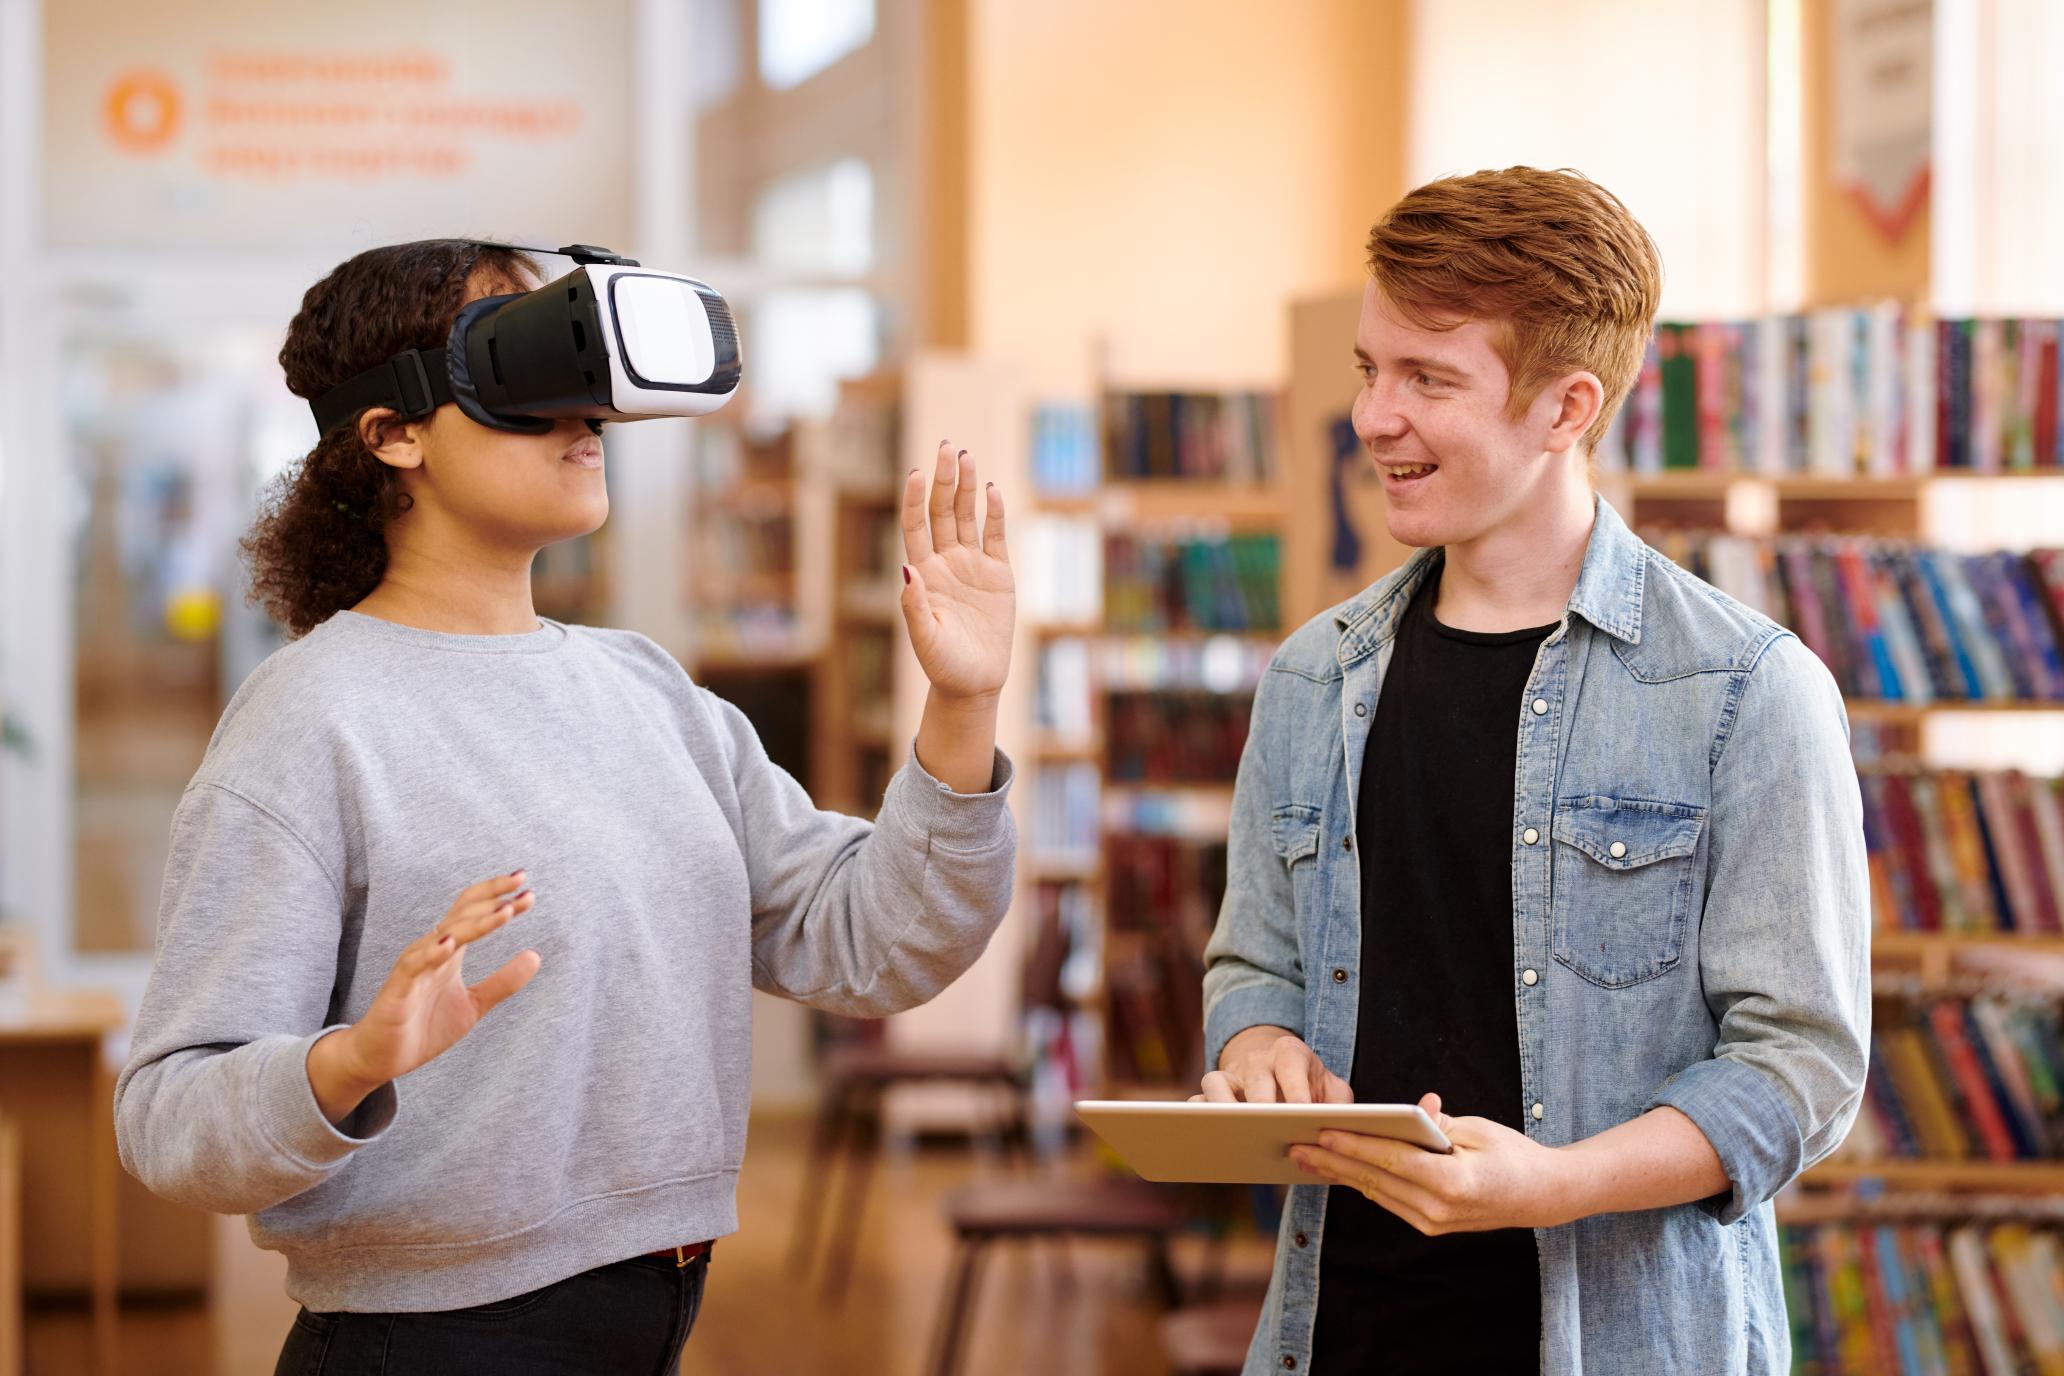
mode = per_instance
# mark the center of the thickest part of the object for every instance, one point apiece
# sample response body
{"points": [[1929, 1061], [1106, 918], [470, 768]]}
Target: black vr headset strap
{"points": [[413, 383]]}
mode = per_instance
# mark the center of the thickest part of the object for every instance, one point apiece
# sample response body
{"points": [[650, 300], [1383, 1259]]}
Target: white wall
{"points": [[1999, 157], [1499, 83]]}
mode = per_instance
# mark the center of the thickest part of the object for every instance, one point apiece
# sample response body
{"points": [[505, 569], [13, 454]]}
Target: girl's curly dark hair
{"points": [[319, 544]]}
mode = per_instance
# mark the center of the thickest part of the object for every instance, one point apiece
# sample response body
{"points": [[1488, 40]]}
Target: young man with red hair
{"points": [[1547, 835]]}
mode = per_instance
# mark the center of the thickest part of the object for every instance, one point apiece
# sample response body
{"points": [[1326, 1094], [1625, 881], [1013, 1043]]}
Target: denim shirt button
{"points": [[1530, 836], [1340, 976], [1301, 1239], [1540, 707], [1538, 1111], [1530, 978], [1361, 709], [1289, 1362], [1618, 849], [1347, 843]]}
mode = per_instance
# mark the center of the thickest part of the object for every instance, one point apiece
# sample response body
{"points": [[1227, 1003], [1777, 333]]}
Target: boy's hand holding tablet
{"points": [[1439, 1173]]}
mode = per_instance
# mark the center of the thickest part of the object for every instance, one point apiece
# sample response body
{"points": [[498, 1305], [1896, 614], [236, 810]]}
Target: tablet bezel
{"points": [[1170, 1142]]}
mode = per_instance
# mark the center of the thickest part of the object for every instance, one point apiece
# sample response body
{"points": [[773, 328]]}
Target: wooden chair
{"points": [[1023, 1210], [1210, 1340], [856, 1080]]}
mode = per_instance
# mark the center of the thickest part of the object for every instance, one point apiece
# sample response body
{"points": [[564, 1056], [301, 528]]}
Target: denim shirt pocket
{"points": [[1622, 886], [1294, 829]]}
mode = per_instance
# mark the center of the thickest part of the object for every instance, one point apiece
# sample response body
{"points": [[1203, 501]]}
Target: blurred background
{"points": [[1114, 249]]}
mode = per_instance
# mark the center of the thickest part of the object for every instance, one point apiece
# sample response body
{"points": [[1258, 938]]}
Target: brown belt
{"points": [[681, 1256]]}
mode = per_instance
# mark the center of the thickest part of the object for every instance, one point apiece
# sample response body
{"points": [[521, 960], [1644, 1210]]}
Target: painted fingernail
{"points": [[906, 573], [963, 453], [444, 940]]}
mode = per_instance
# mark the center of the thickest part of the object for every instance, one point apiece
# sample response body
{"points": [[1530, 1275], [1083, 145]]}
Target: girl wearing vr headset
{"points": [[431, 772]]}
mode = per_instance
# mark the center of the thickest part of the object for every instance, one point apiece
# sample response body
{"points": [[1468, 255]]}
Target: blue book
{"points": [[1996, 600], [1960, 654], [1994, 875], [1891, 1112], [2047, 672]]}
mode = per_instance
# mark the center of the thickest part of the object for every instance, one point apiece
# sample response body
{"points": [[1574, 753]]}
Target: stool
{"points": [[856, 1079], [1020, 1210], [1210, 1340]]}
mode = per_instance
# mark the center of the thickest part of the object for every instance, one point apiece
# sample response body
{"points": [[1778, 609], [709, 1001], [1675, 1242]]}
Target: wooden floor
{"points": [[1084, 1308]]}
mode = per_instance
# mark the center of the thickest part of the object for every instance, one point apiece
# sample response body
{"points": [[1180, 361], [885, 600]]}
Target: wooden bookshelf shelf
{"points": [[1864, 710], [2034, 1177], [1802, 487], [1171, 499], [1126, 790], [1064, 869], [1094, 630], [1068, 752], [1915, 945]]}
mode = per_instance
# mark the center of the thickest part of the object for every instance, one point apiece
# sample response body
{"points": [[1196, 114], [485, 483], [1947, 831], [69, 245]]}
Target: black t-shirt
{"points": [[1434, 827]]}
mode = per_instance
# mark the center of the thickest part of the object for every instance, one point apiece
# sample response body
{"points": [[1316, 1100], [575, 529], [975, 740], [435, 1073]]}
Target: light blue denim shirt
{"points": [[1690, 926]]}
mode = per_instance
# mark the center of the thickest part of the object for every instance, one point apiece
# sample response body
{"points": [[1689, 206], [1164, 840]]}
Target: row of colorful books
{"points": [[1894, 621], [1227, 437], [1174, 737], [1868, 390], [1206, 583], [1074, 670], [1060, 562], [1962, 1079], [1066, 815], [1964, 851], [1919, 1298]]}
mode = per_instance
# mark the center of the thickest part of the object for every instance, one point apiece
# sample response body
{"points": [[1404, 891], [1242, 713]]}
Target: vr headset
{"points": [[609, 341]]}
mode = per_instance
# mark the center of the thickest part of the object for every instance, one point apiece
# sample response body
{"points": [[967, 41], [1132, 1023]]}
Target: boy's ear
{"points": [[1580, 397]]}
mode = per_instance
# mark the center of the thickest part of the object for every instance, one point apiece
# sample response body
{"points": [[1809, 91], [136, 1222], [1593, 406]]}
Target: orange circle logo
{"points": [[142, 111]]}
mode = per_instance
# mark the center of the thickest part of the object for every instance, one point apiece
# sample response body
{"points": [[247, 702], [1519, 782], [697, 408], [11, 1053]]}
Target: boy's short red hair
{"points": [[1567, 278]]}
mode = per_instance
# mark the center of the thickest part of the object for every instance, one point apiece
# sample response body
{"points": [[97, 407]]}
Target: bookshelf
{"points": [[1156, 599], [856, 459]]}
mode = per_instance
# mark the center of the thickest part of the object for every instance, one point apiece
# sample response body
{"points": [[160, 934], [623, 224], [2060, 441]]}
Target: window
{"points": [[800, 38], [804, 341], [817, 223]]}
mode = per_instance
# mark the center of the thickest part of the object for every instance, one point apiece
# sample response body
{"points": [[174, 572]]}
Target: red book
{"points": [[2026, 829], [1884, 1327], [1947, 1020], [2046, 395], [2049, 566], [1913, 853], [2009, 850]]}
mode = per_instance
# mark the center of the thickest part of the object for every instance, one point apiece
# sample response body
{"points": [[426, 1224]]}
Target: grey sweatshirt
{"points": [[364, 775]]}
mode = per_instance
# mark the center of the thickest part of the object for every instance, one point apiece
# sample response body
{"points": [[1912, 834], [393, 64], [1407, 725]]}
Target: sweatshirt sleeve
{"points": [[214, 1108], [867, 919]]}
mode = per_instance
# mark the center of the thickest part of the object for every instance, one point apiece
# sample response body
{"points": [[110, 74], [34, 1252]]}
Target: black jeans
{"points": [[630, 1318]]}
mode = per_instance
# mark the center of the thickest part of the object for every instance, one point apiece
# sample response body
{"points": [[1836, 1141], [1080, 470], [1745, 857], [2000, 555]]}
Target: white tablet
{"points": [[1242, 1144]]}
